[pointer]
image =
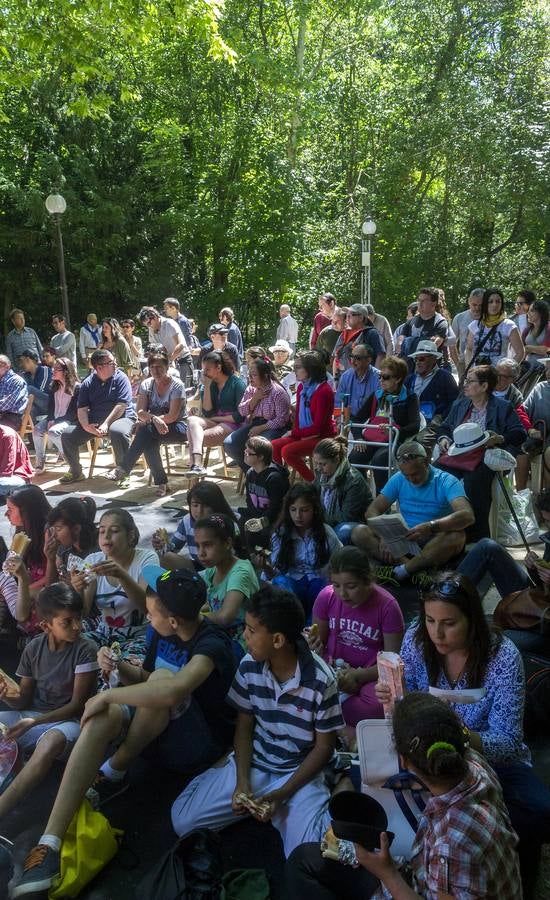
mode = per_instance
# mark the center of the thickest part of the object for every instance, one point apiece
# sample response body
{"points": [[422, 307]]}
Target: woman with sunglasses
{"points": [[134, 342], [61, 414], [452, 648], [314, 417], [391, 398]]}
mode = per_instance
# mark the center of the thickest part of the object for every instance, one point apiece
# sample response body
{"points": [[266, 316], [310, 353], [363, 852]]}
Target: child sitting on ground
{"points": [[266, 487], [176, 703], [288, 719], [58, 671], [229, 580], [356, 618], [203, 499], [302, 546]]}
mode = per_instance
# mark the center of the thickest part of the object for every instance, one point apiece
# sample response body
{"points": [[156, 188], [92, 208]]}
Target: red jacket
{"points": [[14, 456], [322, 409]]}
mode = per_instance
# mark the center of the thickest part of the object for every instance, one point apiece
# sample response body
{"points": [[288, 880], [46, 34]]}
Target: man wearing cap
{"points": [[105, 409], [359, 330], [173, 705], [287, 329], [435, 387], [359, 382], [434, 506], [168, 333], [218, 335]]}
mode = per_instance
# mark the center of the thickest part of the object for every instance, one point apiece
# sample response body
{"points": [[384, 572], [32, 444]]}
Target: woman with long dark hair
{"points": [[489, 338], [314, 418], [61, 413], [536, 336], [451, 647], [114, 341], [302, 545], [265, 406], [221, 393], [72, 527], [27, 509]]}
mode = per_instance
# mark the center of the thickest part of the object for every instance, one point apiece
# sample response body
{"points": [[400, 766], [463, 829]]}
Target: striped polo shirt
{"points": [[287, 715]]}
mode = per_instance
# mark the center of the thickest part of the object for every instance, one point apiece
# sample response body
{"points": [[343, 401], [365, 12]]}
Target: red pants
{"points": [[292, 451]]}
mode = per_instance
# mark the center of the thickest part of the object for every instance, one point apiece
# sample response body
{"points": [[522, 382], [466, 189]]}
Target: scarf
{"points": [[384, 398], [327, 485], [308, 389], [93, 332], [490, 321]]}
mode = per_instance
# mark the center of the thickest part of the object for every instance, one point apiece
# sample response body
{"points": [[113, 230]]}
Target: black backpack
{"points": [[191, 870]]}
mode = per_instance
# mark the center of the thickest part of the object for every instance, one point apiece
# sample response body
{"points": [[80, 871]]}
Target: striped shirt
{"points": [[274, 407], [287, 715], [13, 393], [184, 536]]}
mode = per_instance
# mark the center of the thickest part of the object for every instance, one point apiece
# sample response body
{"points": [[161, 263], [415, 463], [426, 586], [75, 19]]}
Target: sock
{"points": [[110, 773], [51, 841], [400, 572]]}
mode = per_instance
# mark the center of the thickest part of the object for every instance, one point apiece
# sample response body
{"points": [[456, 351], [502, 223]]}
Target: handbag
{"points": [[89, 844], [464, 462], [527, 610], [402, 795], [377, 435]]}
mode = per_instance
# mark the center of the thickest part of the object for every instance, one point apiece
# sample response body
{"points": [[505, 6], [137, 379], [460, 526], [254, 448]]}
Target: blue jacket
{"points": [[501, 418], [441, 391]]}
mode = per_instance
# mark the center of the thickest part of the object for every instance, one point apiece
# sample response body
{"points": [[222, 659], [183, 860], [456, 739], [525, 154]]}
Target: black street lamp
{"points": [[56, 206]]}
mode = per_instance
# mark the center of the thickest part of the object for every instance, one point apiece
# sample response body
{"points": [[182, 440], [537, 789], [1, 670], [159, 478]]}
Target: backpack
{"points": [[536, 715], [191, 870]]}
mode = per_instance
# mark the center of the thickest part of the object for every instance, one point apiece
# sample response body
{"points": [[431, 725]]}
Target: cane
{"points": [[500, 461]]}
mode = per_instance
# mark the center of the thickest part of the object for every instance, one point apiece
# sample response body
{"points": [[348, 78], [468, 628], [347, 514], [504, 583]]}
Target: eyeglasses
{"points": [[409, 457], [386, 377], [472, 381]]}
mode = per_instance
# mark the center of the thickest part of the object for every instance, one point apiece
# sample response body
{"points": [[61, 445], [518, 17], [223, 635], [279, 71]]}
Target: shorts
{"points": [[70, 729]]}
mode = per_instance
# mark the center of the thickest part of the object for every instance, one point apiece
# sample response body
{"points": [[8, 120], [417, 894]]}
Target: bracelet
{"points": [[434, 526]]}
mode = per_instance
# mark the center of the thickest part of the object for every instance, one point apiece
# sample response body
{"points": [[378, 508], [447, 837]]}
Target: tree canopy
{"points": [[227, 154]]}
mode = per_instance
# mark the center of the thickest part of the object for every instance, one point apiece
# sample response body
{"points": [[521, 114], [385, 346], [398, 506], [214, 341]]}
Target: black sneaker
{"points": [[40, 870], [104, 789]]}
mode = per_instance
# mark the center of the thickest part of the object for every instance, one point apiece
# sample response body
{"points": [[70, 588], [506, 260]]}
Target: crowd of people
{"points": [[242, 650]]}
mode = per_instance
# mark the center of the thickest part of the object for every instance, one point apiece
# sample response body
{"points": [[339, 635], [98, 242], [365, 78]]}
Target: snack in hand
{"points": [[13, 687], [339, 850], [253, 806], [390, 672], [254, 525], [115, 650], [313, 630], [19, 543], [162, 535]]}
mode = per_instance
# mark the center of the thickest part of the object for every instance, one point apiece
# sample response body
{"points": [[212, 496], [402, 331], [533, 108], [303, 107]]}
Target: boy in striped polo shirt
{"points": [[288, 717]]}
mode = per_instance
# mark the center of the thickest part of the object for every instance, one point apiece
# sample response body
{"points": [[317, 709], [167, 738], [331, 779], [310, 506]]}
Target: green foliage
{"points": [[228, 154]]}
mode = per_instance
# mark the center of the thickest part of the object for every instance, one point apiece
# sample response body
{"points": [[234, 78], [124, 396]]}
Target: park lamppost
{"points": [[369, 229], [56, 206]]}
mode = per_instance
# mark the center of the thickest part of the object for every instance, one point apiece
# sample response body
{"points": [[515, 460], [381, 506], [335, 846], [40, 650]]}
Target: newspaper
{"points": [[393, 530]]}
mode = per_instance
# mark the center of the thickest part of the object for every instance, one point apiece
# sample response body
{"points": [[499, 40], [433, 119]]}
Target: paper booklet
{"points": [[393, 529], [466, 695]]}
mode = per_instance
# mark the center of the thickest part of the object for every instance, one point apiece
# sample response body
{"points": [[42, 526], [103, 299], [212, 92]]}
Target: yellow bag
{"points": [[89, 844]]}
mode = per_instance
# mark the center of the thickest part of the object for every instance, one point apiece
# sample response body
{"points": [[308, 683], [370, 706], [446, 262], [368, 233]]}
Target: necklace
{"points": [[454, 681]]}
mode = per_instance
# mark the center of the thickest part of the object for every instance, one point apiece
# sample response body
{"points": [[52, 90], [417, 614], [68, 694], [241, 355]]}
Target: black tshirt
{"points": [[173, 654], [436, 326], [265, 491]]}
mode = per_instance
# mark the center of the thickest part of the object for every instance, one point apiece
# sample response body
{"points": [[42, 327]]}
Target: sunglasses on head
{"points": [[409, 457]]}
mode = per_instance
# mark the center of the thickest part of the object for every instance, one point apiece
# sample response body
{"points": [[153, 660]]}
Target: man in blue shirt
{"points": [[104, 409], [13, 395], [359, 382], [435, 510], [20, 338]]}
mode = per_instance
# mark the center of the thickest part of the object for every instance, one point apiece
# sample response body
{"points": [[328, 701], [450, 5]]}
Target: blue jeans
{"points": [[343, 531], [40, 402], [489, 557], [235, 442], [306, 589], [147, 440]]}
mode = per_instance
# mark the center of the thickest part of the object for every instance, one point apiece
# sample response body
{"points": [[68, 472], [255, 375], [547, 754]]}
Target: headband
{"points": [[440, 745]]}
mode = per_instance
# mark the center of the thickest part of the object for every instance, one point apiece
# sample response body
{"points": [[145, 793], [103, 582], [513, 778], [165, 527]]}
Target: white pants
{"points": [[43, 435], [206, 803]]}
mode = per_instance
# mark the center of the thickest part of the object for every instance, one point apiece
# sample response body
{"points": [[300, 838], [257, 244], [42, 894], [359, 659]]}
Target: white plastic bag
{"points": [[522, 501]]}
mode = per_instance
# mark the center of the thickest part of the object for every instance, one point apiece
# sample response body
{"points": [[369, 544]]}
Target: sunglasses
{"points": [[447, 588], [363, 356], [386, 377]]}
